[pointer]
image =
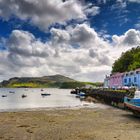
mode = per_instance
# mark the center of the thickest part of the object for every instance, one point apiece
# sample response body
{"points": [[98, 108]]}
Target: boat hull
{"points": [[132, 104], [45, 94]]}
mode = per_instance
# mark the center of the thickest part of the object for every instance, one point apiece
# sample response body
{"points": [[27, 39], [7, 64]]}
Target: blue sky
{"points": [[111, 18], [76, 38]]}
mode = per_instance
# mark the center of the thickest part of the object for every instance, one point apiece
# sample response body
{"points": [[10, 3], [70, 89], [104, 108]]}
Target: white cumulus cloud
{"points": [[137, 1], [45, 13], [42, 13], [130, 39], [91, 60]]}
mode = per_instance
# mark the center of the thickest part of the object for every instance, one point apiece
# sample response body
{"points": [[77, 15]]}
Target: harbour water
{"points": [[11, 99]]}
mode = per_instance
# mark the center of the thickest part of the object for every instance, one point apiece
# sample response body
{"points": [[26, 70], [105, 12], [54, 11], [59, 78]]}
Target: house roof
{"points": [[137, 69], [117, 74]]}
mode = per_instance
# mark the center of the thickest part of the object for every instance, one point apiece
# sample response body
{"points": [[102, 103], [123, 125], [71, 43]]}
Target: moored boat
{"points": [[133, 104], [80, 95], [45, 94], [23, 95], [4, 96], [11, 91], [73, 92]]}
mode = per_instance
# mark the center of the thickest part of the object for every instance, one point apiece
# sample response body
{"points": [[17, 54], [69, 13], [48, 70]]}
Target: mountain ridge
{"points": [[44, 81], [51, 81]]}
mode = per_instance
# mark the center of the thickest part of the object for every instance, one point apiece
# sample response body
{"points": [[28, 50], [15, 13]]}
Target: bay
{"points": [[11, 99]]}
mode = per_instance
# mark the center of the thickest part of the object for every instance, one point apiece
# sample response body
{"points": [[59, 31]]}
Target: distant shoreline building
{"points": [[119, 80], [106, 81]]}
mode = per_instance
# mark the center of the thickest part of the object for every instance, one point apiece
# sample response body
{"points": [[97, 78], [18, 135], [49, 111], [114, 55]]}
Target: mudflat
{"points": [[70, 124]]}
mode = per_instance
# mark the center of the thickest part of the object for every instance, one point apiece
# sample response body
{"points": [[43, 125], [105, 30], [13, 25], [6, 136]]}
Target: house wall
{"points": [[116, 80], [130, 79], [139, 80], [106, 82]]}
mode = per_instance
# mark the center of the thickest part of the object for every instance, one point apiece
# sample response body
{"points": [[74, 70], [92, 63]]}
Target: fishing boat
{"points": [[73, 92], [80, 95], [23, 95], [133, 104], [11, 91], [4, 96], [45, 94]]}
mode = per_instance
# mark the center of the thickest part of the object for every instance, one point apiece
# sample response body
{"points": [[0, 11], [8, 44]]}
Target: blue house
{"points": [[138, 77], [132, 78]]}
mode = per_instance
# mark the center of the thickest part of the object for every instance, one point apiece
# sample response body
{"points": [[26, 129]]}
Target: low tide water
{"points": [[11, 99]]}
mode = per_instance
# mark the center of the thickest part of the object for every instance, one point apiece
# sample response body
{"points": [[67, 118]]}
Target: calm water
{"points": [[59, 98]]}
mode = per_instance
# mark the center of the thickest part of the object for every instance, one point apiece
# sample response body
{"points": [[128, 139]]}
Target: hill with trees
{"points": [[128, 61], [53, 81]]}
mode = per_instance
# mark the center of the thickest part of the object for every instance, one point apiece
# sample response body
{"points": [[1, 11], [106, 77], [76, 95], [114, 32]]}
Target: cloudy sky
{"points": [[76, 38]]}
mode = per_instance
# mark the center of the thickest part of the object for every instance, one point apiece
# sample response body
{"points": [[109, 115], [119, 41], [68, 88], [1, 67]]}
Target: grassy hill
{"points": [[45, 81], [54, 81]]}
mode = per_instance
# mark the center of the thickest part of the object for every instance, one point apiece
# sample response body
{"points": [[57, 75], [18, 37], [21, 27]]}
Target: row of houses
{"points": [[119, 80]]}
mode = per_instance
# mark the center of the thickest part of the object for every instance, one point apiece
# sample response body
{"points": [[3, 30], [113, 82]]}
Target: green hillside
{"points": [[46, 81], [128, 61], [54, 81]]}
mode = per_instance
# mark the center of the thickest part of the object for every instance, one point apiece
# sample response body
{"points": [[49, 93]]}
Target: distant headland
{"points": [[53, 81]]}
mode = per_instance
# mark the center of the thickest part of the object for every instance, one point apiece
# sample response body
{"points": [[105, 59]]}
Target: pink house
{"points": [[116, 80]]}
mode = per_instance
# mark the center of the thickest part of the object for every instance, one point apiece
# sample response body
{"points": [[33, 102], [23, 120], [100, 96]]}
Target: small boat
{"points": [[11, 91], [3, 95], [133, 104], [73, 92], [42, 90], [23, 95], [80, 95], [45, 94]]}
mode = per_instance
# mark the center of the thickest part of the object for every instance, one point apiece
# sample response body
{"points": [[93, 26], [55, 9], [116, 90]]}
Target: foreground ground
{"points": [[81, 124]]}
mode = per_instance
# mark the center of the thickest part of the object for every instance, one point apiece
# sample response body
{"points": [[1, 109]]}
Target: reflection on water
{"points": [[59, 98]]}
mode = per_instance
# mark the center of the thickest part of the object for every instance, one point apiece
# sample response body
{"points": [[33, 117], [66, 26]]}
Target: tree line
{"points": [[130, 60]]}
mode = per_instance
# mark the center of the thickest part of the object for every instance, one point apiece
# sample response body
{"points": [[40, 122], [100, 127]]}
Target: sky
{"points": [[80, 39]]}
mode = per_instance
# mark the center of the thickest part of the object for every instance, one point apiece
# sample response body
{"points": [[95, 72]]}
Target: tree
{"points": [[129, 60]]}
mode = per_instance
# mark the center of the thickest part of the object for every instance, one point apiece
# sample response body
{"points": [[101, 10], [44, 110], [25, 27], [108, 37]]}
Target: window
{"points": [[135, 79], [125, 80], [137, 72], [129, 80]]}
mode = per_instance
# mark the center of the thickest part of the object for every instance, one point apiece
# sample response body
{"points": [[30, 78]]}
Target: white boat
{"points": [[80, 95], [133, 104]]}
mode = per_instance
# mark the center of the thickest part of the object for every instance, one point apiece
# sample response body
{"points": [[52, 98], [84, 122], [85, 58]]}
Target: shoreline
{"points": [[84, 106], [70, 124]]}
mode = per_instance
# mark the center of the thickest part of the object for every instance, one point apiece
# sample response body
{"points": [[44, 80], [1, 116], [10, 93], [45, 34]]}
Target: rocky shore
{"points": [[70, 124]]}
